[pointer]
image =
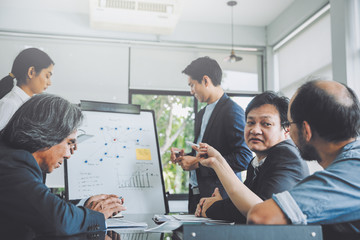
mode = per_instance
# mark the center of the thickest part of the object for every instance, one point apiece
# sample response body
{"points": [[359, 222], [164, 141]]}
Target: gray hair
{"points": [[45, 120]]}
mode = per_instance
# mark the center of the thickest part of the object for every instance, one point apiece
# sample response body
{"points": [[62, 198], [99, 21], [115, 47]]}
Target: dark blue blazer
{"points": [[224, 132], [27, 207]]}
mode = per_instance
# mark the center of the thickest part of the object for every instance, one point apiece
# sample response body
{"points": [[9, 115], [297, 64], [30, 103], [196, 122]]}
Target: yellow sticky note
{"points": [[143, 154]]}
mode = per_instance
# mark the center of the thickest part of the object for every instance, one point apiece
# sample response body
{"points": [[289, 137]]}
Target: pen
{"points": [[177, 153], [198, 146], [192, 144]]}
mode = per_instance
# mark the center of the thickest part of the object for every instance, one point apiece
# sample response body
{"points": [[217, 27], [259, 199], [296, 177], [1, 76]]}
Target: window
{"points": [[242, 101], [174, 116], [161, 69], [306, 54]]}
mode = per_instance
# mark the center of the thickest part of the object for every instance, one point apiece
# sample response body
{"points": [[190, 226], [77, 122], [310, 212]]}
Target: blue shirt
{"points": [[329, 196], [208, 111]]}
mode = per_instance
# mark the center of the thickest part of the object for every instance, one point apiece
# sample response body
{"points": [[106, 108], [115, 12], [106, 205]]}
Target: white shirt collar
{"points": [[23, 95], [214, 103], [256, 163]]}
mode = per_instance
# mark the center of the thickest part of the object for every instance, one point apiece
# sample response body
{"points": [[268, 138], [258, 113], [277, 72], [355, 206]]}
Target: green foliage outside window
{"points": [[174, 116]]}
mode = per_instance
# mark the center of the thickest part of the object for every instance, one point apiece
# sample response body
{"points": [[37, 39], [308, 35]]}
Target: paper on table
{"points": [[186, 218], [190, 218], [122, 223], [166, 227]]}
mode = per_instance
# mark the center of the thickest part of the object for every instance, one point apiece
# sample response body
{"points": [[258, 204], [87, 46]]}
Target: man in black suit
{"points": [[37, 139], [276, 167], [221, 124]]}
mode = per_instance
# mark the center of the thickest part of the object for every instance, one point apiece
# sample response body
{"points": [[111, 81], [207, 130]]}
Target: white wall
{"points": [[161, 68], [308, 53], [291, 18], [33, 19], [345, 35], [296, 14], [84, 70]]}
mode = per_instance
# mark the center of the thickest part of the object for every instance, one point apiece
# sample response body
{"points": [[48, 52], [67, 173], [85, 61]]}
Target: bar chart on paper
{"points": [[136, 180], [118, 156]]}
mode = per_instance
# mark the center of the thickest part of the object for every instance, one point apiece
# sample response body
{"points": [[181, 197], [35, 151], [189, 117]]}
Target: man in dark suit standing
{"points": [[221, 124]]}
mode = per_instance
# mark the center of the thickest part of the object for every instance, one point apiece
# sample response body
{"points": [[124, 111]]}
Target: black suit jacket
{"points": [[282, 170], [27, 207], [224, 132]]}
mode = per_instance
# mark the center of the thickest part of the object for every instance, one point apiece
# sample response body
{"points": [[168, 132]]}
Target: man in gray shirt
{"points": [[325, 122]]}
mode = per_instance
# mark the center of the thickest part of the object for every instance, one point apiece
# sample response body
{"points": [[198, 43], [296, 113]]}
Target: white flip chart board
{"points": [[117, 153]]}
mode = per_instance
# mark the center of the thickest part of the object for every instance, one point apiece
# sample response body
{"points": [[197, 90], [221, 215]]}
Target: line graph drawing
{"points": [[119, 155], [116, 142]]}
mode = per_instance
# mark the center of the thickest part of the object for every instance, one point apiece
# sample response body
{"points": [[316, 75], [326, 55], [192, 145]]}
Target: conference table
{"points": [[120, 233], [199, 231]]}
